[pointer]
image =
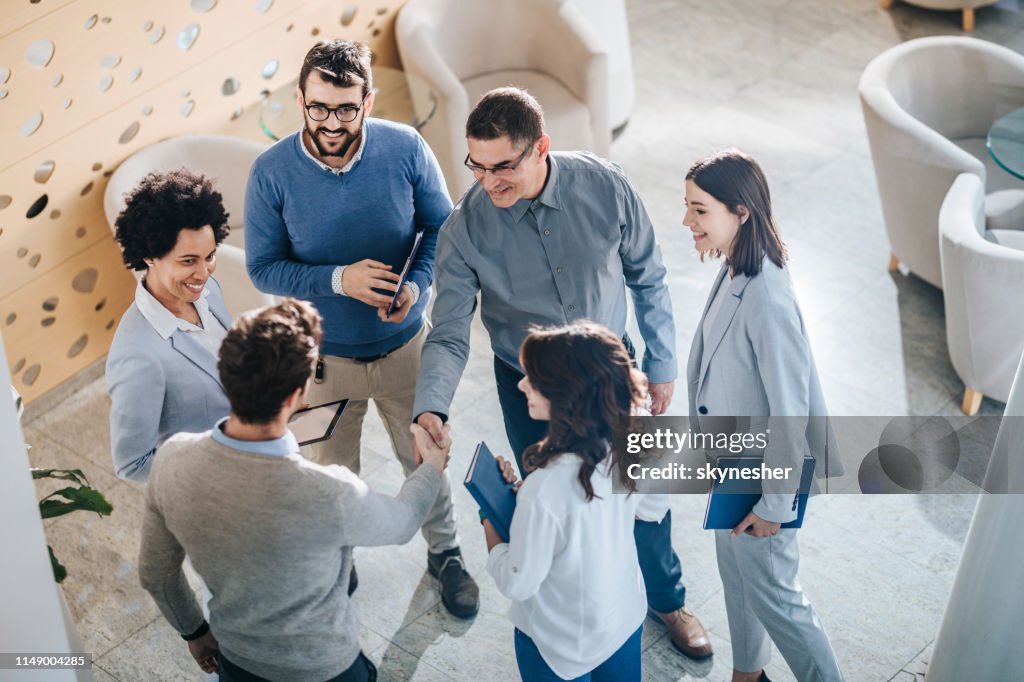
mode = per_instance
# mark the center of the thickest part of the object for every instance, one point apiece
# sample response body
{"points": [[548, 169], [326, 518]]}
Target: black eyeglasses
{"points": [[346, 113], [501, 170]]}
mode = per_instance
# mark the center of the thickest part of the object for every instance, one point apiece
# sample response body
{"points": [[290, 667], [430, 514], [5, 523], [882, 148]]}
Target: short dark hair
{"points": [[342, 63], [736, 179], [585, 371], [266, 355], [161, 206], [506, 112]]}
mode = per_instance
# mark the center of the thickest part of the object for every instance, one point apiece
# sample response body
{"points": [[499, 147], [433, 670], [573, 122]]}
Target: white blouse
{"points": [[570, 567], [210, 335]]}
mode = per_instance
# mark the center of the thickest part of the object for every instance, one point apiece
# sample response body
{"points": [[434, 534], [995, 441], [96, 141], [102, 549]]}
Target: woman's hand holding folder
{"points": [[508, 473]]}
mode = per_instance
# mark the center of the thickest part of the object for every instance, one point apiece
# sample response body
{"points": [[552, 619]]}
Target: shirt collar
{"points": [[549, 195], [278, 447], [163, 320], [337, 171]]}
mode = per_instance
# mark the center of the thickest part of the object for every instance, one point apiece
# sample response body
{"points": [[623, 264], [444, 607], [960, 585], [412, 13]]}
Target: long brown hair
{"points": [[586, 373], [735, 179]]}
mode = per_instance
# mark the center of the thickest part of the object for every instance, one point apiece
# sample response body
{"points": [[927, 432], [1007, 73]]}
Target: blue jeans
{"points": [[622, 666], [663, 574]]}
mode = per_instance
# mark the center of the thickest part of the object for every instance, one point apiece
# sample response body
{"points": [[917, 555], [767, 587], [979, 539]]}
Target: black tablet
{"points": [[404, 276], [316, 424]]}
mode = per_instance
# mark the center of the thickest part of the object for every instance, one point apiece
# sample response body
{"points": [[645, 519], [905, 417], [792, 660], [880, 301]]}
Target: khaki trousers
{"points": [[391, 383]]}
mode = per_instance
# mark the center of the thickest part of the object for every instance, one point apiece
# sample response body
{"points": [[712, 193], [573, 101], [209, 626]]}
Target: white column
{"points": [[31, 615], [982, 631]]}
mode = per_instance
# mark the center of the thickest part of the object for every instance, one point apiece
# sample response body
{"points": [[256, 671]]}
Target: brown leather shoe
{"points": [[688, 635]]}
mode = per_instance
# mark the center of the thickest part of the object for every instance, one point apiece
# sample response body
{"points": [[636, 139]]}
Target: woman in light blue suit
{"points": [[751, 357], [162, 366]]}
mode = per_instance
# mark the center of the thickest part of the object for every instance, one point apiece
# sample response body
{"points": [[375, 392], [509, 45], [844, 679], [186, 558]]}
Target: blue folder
{"points": [[731, 500], [490, 490]]}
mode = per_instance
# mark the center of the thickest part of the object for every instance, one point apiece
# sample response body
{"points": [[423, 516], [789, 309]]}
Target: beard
{"points": [[347, 139]]}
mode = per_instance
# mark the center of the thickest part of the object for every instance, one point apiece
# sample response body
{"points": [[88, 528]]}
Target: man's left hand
{"points": [[205, 650], [661, 396], [402, 307]]}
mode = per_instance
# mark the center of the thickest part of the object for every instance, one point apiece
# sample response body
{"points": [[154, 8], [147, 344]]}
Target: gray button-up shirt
{"points": [[557, 258]]}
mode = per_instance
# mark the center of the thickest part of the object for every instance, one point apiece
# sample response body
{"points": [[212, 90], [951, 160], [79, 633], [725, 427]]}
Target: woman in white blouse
{"points": [[570, 567]]}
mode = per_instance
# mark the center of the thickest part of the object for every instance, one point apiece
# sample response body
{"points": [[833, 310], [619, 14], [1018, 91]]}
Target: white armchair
{"points": [[983, 287], [226, 161], [967, 7], [928, 105], [464, 49]]}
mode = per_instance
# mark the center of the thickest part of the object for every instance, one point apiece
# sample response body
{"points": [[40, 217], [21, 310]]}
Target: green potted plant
{"points": [[79, 495]]}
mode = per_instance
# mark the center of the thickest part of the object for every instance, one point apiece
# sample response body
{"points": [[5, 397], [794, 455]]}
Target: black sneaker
{"points": [[459, 592]]}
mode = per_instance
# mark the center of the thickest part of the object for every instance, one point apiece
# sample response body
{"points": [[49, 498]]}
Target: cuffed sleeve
{"points": [[161, 573], [371, 519], [136, 384], [446, 349], [268, 253], [521, 565], [433, 206], [784, 364], [645, 275]]}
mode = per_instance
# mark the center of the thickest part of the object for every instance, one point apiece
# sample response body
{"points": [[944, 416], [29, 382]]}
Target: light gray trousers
{"points": [[765, 603]]}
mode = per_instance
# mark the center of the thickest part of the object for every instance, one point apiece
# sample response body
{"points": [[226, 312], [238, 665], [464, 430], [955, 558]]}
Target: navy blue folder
{"points": [[731, 500], [490, 490]]}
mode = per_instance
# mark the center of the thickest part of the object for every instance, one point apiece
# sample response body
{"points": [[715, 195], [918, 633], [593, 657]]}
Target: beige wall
{"points": [[115, 80]]}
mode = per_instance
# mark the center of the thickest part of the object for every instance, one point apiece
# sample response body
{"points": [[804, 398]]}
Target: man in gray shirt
{"points": [[270, 532], [545, 238]]}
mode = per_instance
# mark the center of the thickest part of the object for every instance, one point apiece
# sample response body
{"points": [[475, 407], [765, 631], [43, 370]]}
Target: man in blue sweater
{"points": [[331, 213]]}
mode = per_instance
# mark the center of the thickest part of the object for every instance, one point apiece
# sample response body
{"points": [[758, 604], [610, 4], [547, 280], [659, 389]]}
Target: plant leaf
{"points": [[59, 572], [75, 475], [85, 498]]}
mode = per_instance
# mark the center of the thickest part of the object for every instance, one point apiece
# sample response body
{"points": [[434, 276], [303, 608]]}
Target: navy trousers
{"points": [[361, 670], [663, 574]]}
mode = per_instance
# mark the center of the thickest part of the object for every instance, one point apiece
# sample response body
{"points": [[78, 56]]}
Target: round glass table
{"points": [[1006, 142], [279, 113]]}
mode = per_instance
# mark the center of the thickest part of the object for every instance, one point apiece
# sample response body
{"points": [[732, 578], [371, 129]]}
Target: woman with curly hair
{"points": [[162, 367], [570, 566]]}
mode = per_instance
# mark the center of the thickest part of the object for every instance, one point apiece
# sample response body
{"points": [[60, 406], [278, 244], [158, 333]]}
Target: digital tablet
{"points": [[316, 424], [405, 271]]}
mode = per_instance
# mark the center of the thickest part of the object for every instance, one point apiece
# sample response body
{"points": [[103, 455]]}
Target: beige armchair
{"points": [[226, 160], [928, 105], [967, 7], [464, 49], [983, 287]]}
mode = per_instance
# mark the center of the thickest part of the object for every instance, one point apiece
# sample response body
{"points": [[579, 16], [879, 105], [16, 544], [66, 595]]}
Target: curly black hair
{"points": [[163, 205]]}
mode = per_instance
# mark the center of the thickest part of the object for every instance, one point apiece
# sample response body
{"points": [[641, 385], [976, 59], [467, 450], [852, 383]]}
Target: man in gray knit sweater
{"points": [[270, 532]]}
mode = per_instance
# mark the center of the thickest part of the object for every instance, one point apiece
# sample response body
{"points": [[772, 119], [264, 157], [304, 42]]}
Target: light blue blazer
{"points": [[160, 387], [758, 363]]}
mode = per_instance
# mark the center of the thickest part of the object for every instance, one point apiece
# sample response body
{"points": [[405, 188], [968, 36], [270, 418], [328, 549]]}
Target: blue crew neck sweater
{"points": [[302, 221]]}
